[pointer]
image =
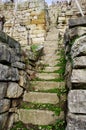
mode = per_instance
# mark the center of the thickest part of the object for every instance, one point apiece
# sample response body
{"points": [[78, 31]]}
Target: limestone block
{"points": [[61, 18], [14, 90], [37, 21], [18, 65], [7, 73], [79, 47], [38, 40], [77, 22], [76, 122], [24, 80], [38, 117], [3, 88], [79, 62], [7, 54], [10, 42], [37, 97], [3, 121], [78, 76], [4, 105], [77, 101]]}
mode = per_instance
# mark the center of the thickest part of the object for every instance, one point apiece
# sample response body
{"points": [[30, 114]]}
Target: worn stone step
{"points": [[51, 43], [38, 117], [47, 76], [46, 85], [52, 36], [39, 97], [50, 69]]}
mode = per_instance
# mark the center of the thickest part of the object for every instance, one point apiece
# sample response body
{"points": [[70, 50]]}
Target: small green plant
{"points": [[34, 47], [55, 108], [19, 126], [59, 125]]}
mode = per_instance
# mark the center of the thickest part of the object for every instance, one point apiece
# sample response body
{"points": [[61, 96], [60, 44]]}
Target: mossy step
{"points": [[38, 117], [39, 97], [46, 76], [46, 85]]}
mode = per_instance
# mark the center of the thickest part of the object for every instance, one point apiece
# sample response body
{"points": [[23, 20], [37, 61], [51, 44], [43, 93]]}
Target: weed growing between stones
{"points": [[55, 108], [19, 126]]}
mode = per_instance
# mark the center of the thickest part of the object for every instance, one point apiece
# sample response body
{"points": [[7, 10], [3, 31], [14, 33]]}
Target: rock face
{"points": [[76, 118]]}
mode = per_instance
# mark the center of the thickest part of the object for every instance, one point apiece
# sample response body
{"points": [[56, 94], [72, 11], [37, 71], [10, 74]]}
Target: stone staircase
{"points": [[40, 94]]}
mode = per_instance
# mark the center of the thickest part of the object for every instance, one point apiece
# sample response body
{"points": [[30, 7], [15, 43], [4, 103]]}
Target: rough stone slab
{"points": [[4, 105], [38, 117], [77, 101], [7, 73], [3, 89], [14, 90], [10, 42], [7, 54], [3, 121], [78, 76], [76, 122], [79, 47], [46, 85], [47, 76], [77, 22], [18, 65], [79, 62], [39, 97]]}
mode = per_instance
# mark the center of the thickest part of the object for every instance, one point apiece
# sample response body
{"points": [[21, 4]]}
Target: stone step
{"points": [[50, 69], [47, 76], [38, 117], [46, 85], [51, 43], [39, 97], [52, 37]]}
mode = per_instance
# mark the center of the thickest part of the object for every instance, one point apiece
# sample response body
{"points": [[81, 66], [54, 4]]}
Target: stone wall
{"points": [[60, 14], [75, 49], [28, 24], [13, 79]]}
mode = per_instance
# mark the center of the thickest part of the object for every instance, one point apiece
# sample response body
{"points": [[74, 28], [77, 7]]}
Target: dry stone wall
{"points": [[60, 14], [75, 49], [28, 24], [13, 82]]}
